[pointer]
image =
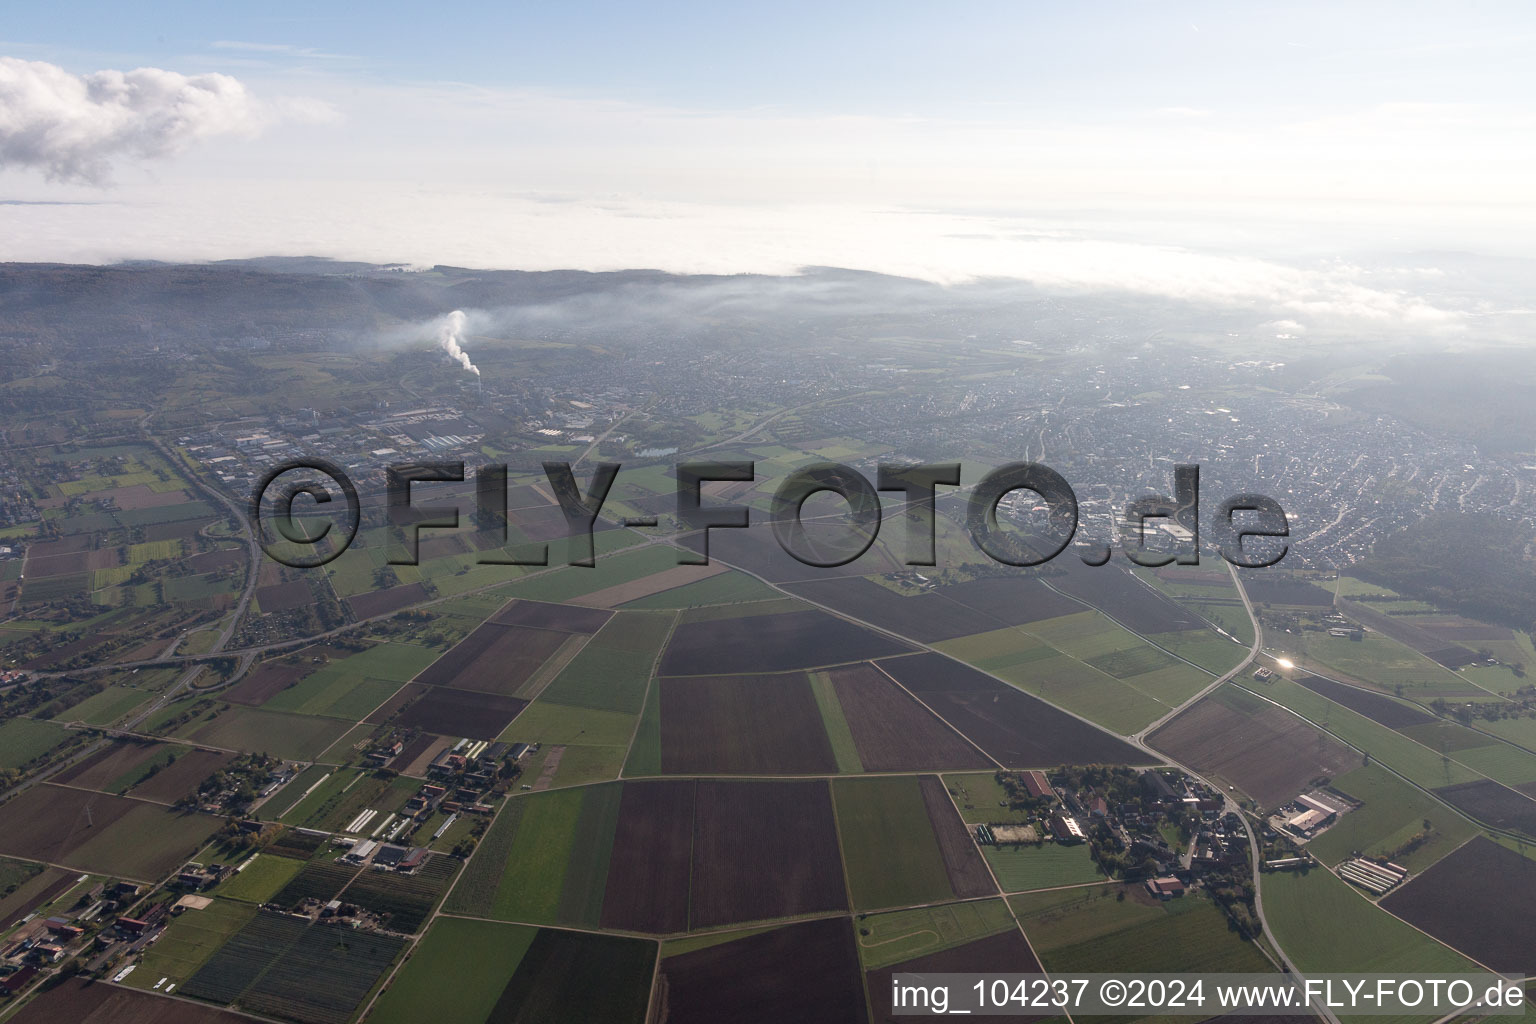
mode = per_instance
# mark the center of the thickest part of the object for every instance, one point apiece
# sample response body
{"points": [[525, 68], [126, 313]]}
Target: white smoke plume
{"points": [[72, 127], [448, 337]]}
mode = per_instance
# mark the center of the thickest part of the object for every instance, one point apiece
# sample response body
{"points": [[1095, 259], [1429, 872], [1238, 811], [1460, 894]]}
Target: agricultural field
{"points": [[1002, 952], [81, 1001], [100, 833], [743, 725], [454, 712], [495, 658], [1014, 728], [259, 879], [1493, 804], [1480, 900], [1025, 867], [576, 977], [1390, 823], [288, 736], [456, 973], [610, 673], [189, 940], [1236, 737], [404, 901], [899, 935], [546, 859], [25, 739], [742, 980], [770, 643], [1115, 927], [1324, 924], [981, 799], [891, 730], [892, 856]]}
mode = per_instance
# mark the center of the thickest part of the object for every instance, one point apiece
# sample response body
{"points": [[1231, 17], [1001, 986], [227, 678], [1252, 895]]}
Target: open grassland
{"points": [[1124, 928], [1041, 867], [892, 857], [456, 973], [189, 941], [260, 880], [611, 671], [1392, 818], [900, 935], [1325, 925], [981, 799]]}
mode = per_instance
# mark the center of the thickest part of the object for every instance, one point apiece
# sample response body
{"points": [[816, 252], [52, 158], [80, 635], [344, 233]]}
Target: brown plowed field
{"points": [[449, 712], [267, 680], [282, 597], [1267, 752], [1019, 730], [648, 875], [79, 1001], [1480, 900], [1010, 600], [539, 615], [102, 767], [743, 725], [1005, 952], [927, 618], [807, 973], [382, 602], [892, 731], [1377, 707], [1124, 598], [1492, 804], [764, 850], [494, 659], [967, 869], [770, 643], [405, 695], [181, 777]]}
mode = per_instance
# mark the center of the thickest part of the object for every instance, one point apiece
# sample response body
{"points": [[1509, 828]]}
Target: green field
{"points": [[545, 859], [352, 687], [645, 753], [1028, 661], [982, 800], [843, 748], [1041, 867], [1393, 812], [289, 736], [1412, 760], [1123, 928], [106, 707], [610, 673], [901, 935], [1324, 925], [888, 844], [189, 940], [726, 588], [22, 739], [545, 722], [1386, 663], [610, 570], [260, 879], [456, 973]]}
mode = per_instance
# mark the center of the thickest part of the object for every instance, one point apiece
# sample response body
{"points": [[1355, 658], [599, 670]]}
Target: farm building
{"points": [[1371, 876], [1156, 787], [1308, 821], [1066, 829], [1037, 785], [1165, 888]]}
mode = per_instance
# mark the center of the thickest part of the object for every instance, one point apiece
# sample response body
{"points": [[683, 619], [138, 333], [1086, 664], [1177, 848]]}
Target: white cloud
{"points": [[74, 127]]}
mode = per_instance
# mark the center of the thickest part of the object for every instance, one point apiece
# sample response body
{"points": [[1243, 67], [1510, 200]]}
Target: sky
{"points": [[1274, 154]]}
